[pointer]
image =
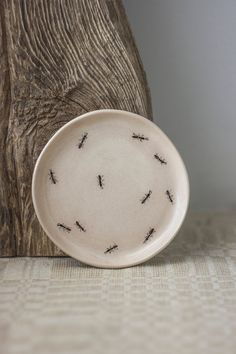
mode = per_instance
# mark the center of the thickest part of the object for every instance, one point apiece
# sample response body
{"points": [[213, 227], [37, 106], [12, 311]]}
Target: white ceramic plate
{"points": [[110, 189]]}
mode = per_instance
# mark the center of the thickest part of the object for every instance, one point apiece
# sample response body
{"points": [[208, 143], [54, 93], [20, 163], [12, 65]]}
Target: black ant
{"points": [[64, 227], [82, 140], [170, 196], [139, 137], [111, 249], [147, 196], [101, 181], [80, 227], [52, 176], [149, 234], [160, 159]]}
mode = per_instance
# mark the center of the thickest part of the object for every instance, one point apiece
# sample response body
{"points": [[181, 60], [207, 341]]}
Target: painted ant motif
{"points": [[52, 176], [147, 196], [82, 140], [160, 159], [149, 234], [64, 227], [170, 196], [80, 227], [139, 137], [111, 249], [101, 181]]}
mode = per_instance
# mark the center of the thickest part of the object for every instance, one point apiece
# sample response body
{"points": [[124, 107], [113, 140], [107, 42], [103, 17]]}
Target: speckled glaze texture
{"points": [[110, 189]]}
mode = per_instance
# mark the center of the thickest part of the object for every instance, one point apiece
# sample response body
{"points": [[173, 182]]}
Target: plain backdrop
{"points": [[188, 48]]}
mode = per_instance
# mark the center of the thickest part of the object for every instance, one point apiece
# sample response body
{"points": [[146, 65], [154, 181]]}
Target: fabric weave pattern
{"points": [[181, 301]]}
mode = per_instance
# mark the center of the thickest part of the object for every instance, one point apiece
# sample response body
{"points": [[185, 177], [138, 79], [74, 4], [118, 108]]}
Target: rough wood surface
{"points": [[58, 59]]}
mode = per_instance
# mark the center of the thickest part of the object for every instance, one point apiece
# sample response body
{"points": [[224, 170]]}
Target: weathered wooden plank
{"points": [[60, 58], [9, 218]]}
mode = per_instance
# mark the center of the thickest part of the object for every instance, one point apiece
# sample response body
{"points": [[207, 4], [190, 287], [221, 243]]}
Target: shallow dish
{"points": [[110, 189]]}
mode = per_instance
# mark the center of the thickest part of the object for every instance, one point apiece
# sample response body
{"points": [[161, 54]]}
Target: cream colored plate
{"points": [[110, 189]]}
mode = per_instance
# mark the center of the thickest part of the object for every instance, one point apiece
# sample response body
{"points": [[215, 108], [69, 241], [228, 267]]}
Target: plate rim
{"points": [[72, 253]]}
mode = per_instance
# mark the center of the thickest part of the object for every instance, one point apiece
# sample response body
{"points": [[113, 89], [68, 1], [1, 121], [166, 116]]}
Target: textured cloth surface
{"points": [[181, 301]]}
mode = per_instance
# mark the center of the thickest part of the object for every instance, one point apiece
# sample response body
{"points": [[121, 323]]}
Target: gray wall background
{"points": [[188, 48]]}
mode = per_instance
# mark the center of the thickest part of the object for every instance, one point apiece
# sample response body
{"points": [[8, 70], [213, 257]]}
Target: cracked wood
{"points": [[58, 59]]}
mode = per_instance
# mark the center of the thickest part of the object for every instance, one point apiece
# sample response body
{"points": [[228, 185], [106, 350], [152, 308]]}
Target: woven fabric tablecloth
{"points": [[181, 301]]}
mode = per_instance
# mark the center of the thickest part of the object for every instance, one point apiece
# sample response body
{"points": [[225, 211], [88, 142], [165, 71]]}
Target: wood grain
{"points": [[58, 59]]}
